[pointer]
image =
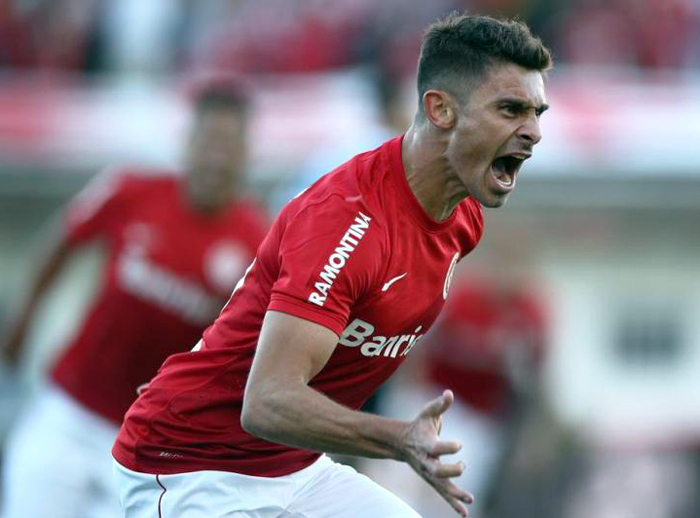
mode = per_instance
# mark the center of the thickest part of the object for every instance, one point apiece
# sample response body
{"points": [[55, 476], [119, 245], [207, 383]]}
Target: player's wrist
{"points": [[401, 445], [382, 436]]}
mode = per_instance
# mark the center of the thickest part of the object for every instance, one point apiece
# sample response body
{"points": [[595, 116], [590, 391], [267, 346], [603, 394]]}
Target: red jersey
{"points": [[168, 272], [355, 253]]}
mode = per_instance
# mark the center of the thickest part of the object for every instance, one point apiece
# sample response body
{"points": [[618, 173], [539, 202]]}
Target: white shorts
{"points": [[325, 489], [57, 462]]}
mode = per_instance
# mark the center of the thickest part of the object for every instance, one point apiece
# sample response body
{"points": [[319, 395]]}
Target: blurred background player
{"points": [[175, 247]]}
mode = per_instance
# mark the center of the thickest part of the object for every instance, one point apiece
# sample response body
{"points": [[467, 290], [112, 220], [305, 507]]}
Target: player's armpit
{"points": [[292, 347]]}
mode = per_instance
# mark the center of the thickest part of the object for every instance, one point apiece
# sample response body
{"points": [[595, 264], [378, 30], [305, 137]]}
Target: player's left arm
{"points": [[279, 406]]}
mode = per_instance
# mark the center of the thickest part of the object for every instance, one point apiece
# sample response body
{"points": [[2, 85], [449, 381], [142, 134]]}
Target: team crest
{"points": [[448, 277]]}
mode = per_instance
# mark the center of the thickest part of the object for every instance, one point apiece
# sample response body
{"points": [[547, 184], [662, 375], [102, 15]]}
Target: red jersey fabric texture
{"points": [[168, 272], [355, 253]]}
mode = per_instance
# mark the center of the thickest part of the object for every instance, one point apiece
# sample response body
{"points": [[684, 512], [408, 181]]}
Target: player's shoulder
{"points": [[145, 178], [352, 187], [111, 189], [332, 204], [332, 229], [124, 179], [326, 216]]}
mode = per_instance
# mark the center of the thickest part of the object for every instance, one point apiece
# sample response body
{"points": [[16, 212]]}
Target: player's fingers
{"points": [[453, 495], [449, 470], [460, 494], [438, 405], [444, 448], [449, 491], [457, 506], [436, 470]]}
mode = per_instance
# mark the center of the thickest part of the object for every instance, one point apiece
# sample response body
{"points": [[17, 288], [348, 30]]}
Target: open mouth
{"points": [[505, 169]]}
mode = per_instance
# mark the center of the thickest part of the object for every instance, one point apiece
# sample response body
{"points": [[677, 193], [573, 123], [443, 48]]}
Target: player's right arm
{"points": [[280, 406], [86, 217]]}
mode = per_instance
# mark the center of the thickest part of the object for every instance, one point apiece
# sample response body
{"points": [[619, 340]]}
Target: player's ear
{"points": [[439, 109]]}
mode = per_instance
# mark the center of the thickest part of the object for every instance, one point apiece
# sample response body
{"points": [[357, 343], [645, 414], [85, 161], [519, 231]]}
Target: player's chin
{"points": [[493, 200]]}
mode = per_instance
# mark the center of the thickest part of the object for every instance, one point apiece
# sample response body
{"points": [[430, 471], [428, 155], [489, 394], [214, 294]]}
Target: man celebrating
{"points": [[352, 274], [174, 246]]}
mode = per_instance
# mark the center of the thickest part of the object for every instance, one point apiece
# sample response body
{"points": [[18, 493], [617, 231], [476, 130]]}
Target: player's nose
{"points": [[530, 131]]}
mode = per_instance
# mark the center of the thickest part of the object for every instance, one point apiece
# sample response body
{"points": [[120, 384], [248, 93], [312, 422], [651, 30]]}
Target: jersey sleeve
{"points": [[330, 257], [96, 207]]}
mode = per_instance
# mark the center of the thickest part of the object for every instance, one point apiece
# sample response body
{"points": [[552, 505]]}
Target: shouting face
{"points": [[495, 131]]}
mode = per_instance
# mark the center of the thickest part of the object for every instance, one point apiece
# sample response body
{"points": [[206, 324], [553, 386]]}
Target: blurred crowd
{"points": [[312, 35]]}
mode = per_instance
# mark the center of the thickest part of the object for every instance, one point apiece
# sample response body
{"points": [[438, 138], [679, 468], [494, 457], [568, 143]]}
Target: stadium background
{"points": [[604, 223]]}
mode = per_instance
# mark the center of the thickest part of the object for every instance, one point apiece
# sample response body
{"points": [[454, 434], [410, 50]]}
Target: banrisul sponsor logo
{"points": [[361, 334], [338, 259]]}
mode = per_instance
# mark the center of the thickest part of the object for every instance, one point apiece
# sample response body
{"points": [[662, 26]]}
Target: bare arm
{"points": [[53, 260], [279, 406]]}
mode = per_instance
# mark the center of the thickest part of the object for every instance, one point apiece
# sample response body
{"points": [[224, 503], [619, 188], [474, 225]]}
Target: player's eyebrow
{"points": [[541, 108], [519, 104]]}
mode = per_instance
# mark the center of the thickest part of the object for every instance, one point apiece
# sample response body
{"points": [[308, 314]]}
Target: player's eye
{"points": [[510, 110]]}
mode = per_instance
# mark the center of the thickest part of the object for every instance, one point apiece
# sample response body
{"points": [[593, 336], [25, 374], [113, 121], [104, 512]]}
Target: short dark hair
{"points": [[462, 47]]}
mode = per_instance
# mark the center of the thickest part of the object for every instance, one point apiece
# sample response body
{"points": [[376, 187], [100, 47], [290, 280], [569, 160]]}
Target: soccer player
{"points": [[175, 246], [351, 275]]}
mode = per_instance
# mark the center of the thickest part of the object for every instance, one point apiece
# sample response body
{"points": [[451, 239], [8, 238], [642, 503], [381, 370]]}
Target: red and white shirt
{"points": [[169, 269], [355, 253]]}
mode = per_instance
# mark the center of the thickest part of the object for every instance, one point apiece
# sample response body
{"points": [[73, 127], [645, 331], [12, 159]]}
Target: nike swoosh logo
{"points": [[388, 284]]}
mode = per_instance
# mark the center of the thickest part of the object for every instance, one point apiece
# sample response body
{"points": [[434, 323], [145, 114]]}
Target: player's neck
{"points": [[426, 167]]}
